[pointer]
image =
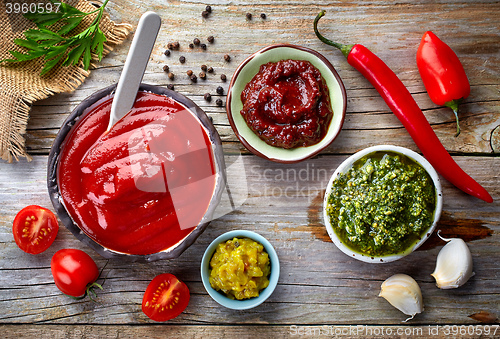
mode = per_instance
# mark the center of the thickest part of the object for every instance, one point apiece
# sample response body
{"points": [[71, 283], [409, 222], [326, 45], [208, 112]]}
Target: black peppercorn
{"points": [[227, 57], [170, 87], [249, 16], [165, 68], [263, 15], [218, 102], [182, 59], [171, 76], [207, 97], [203, 75], [176, 45], [223, 77], [193, 78], [189, 73], [196, 41], [167, 52], [211, 39], [220, 90], [204, 68], [204, 14], [210, 70], [203, 46], [208, 9], [191, 46]]}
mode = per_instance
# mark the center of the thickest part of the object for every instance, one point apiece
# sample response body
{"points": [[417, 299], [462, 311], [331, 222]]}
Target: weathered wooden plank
{"points": [[273, 331]]}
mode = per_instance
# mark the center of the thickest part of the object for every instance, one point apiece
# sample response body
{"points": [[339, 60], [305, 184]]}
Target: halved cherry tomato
{"points": [[74, 272], [34, 229], [165, 298]]}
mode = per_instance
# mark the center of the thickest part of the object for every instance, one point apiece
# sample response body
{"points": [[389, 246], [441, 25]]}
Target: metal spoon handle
{"points": [[135, 65]]}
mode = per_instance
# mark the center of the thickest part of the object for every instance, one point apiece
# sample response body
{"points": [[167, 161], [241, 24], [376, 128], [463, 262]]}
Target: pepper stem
{"points": [[345, 49], [454, 106]]}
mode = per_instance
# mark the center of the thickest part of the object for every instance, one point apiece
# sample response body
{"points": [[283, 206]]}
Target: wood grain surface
{"points": [[319, 285]]}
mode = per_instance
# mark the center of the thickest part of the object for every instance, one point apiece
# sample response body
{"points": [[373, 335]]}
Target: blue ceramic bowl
{"points": [[221, 297]]}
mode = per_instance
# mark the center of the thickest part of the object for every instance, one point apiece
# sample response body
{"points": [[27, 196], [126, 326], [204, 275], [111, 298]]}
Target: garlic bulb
{"points": [[403, 292], [453, 265]]}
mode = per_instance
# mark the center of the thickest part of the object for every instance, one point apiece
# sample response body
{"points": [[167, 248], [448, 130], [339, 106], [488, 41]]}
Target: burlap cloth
{"points": [[21, 83]]}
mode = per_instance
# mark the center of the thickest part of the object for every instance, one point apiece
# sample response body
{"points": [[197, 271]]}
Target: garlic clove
{"points": [[453, 264], [403, 292]]}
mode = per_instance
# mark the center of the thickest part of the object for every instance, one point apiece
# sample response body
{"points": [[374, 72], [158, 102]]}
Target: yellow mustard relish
{"points": [[240, 268]]}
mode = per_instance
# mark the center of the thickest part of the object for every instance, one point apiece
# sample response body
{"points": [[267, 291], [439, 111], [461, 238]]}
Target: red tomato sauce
{"points": [[287, 104], [143, 186]]}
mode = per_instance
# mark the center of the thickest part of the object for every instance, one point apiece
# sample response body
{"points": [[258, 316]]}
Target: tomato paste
{"points": [[287, 104], [143, 186]]}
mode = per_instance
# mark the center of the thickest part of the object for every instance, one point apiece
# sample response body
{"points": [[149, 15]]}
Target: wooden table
{"points": [[321, 291]]}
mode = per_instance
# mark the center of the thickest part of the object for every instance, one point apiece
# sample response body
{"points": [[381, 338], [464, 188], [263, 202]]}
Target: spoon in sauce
{"points": [[135, 65]]}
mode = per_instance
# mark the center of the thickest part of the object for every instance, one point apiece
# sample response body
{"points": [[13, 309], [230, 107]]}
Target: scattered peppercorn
{"points": [[223, 77], [191, 46], [171, 76], [193, 78], [218, 102], [189, 73], [167, 52], [182, 59], [263, 15], [203, 46], [204, 14], [227, 57], [220, 90], [210, 70], [211, 39], [204, 68], [173, 45], [249, 16], [203, 75], [170, 87], [208, 9], [196, 41], [207, 97], [165, 68]]}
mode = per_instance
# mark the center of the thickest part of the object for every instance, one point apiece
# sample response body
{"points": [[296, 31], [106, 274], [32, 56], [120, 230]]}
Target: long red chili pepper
{"points": [[442, 73], [402, 104]]}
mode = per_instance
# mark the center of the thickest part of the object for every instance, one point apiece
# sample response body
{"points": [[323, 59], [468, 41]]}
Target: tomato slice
{"points": [[74, 271], [165, 298], [35, 229]]}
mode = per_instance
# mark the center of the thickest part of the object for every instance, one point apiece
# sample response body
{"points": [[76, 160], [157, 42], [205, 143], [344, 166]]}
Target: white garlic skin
{"points": [[453, 264], [403, 292]]}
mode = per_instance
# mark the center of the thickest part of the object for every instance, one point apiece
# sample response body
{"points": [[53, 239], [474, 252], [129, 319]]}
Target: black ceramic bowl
{"points": [[53, 186]]}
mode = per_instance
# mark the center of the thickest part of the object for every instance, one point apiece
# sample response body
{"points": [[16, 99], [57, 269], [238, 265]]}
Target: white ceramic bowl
{"points": [[346, 165], [247, 70]]}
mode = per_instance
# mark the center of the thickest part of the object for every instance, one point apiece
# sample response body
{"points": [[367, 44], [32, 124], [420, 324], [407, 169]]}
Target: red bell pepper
{"points": [[402, 104], [442, 73]]}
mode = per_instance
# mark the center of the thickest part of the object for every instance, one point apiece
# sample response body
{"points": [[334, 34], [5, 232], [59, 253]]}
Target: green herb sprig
{"points": [[54, 46]]}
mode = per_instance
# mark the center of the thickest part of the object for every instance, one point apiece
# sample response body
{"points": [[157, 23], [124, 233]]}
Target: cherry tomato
{"points": [[165, 298], [74, 272], [34, 229]]}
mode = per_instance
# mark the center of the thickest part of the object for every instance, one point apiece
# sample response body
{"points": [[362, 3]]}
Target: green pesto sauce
{"points": [[383, 205]]}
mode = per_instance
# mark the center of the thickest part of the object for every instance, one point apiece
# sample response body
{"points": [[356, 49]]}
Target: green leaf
{"points": [[71, 23], [50, 64], [86, 58], [98, 43], [74, 55], [28, 43], [43, 34]]}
